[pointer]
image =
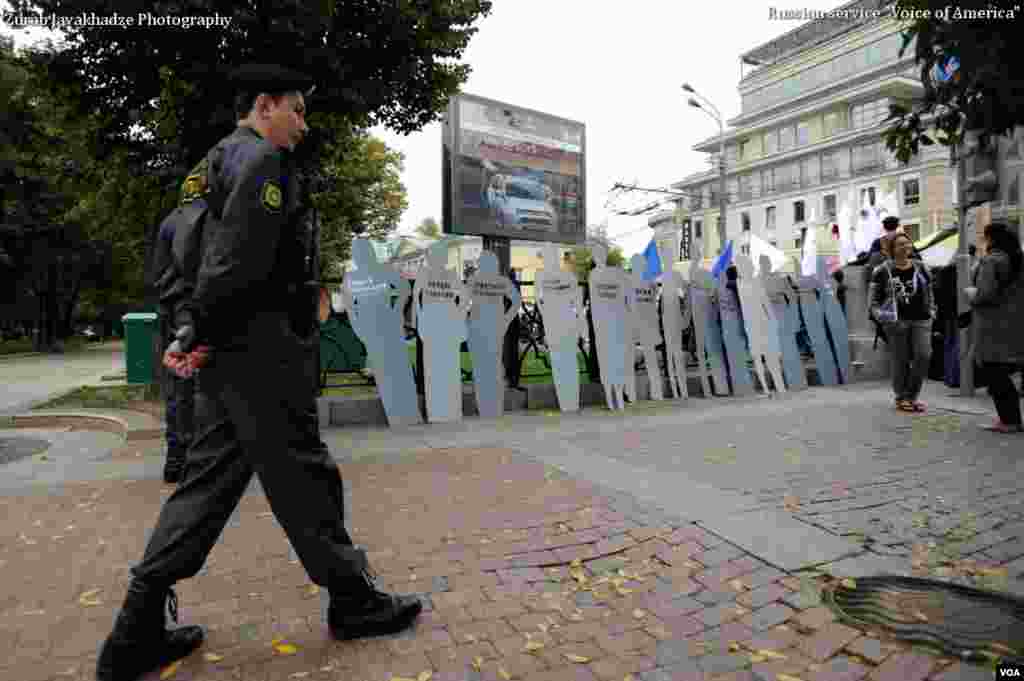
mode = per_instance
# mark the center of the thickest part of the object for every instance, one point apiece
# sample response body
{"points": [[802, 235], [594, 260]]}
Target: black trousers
{"points": [[1003, 391], [255, 413], [179, 413]]}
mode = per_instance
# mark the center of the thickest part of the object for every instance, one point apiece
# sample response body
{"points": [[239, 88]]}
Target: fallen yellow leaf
{"points": [[786, 677], [213, 657], [425, 676], [313, 590], [478, 663], [771, 654], [757, 659], [622, 591], [576, 563], [168, 671], [579, 659], [504, 674], [286, 649], [90, 593], [533, 646], [401, 678]]}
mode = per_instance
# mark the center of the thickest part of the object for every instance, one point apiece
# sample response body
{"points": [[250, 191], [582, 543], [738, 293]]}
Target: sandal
{"points": [[905, 405]]}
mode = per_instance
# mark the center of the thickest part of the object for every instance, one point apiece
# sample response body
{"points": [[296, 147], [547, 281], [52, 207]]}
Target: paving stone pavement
{"points": [[532, 563]]}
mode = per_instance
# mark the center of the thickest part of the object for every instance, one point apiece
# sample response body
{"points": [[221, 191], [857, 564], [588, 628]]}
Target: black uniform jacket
{"points": [[252, 252]]}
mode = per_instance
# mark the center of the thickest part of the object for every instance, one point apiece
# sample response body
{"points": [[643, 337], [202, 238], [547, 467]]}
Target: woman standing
{"points": [[997, 308], [901, 300]]}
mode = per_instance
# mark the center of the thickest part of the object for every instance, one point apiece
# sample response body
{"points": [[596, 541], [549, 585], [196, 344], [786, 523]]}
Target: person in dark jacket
{"points": [[900, 296], [178, 390], [881, 247], [997, 320], [255, 408]]}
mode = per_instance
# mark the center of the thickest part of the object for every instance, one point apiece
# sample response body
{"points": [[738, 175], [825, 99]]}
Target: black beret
{"points": [[891, 222], [269, 79]]}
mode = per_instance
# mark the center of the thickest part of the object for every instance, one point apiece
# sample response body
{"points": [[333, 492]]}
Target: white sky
{"points": [[618, 69]]}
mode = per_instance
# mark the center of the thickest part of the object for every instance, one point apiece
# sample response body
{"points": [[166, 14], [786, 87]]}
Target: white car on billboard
{"points": [[521, 202]]}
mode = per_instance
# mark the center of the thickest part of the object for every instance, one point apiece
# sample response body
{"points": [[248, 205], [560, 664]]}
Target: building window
{"points": [[810, 171], [834, 123], [869, 194], [803, 134], [798, 211], [746, 187], [767, 182], [769, 217], [911, 191], [744, 149], [685, 238], [829, 206], [830, 165], [784, 177], [698, 232], [786, 138], [869, 114], [867, 158], [773, 242], [745, 249], [745, 221], [771, 142]]}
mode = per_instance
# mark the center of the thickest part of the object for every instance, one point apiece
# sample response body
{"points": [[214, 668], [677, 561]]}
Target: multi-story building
{"points": [[809, 139]]}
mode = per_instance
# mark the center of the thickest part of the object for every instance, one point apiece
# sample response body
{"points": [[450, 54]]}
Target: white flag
{"points": [[759, 247], [847, 249], [809, 264]]}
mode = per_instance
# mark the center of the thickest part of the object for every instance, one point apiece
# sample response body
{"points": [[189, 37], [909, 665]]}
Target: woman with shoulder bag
{"points": [[997, 315], [902, 302]]}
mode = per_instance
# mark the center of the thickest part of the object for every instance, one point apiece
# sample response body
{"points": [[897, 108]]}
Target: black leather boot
{"points": [[140, 641], [358, 609]]}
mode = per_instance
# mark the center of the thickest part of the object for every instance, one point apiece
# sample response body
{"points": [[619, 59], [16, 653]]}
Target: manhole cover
{"points": [[14, 448], [957, 619]]}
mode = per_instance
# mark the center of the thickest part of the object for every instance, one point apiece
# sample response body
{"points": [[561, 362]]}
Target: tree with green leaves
{"points": [[583, 260], [983, 91], [148, 103], [429, 229]]}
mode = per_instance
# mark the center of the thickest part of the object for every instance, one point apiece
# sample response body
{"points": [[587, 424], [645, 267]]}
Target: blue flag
{"points": [[653, 269], [723, 261]]}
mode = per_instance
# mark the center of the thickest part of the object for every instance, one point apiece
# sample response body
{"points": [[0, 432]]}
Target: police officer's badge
{"points": [[196, 184], [271, 196]]}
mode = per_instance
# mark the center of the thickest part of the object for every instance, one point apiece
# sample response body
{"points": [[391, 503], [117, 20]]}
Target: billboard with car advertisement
{"points": [[512, 172]]}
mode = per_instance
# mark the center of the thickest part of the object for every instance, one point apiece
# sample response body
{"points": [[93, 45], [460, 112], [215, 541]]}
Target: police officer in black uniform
{"points": [[172, 289], [255, 410]]}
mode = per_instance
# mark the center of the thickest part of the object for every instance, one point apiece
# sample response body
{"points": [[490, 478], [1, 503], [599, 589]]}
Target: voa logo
{"points": [[1009, 673]]}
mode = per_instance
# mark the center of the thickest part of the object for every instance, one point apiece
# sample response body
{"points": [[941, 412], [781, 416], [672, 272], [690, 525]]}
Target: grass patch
{"points": [[23, 345], [534, 372], [105, 397]]}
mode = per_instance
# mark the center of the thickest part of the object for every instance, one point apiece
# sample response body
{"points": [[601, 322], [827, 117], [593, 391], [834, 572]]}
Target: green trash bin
{"points": [[139, 332]]}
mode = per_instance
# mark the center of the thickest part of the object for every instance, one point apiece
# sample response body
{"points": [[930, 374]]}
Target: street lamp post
{"points": [[710, 109]]}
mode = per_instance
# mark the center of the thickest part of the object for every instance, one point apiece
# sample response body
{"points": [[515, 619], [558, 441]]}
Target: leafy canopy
{"points": [[985, 92]]}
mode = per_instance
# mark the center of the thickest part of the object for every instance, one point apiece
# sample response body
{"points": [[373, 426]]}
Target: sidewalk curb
{"points": [[130, 425]]}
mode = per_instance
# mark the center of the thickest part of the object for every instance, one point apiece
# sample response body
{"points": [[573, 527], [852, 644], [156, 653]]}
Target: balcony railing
{"points": [[868, 167]]}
